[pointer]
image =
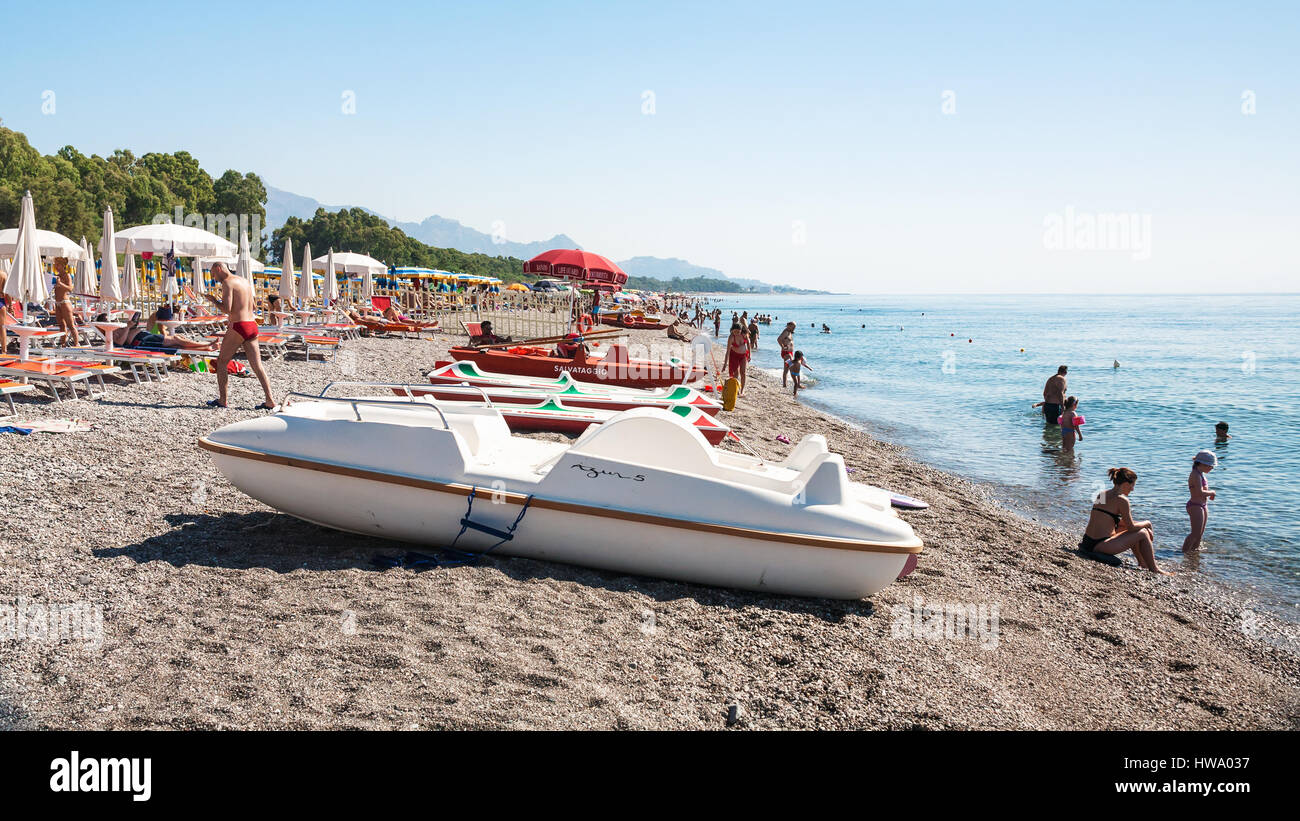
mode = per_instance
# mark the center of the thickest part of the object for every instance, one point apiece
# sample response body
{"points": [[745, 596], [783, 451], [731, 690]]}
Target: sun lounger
{"points": [[54, 375], [151, 365], [8, 388], [326, 346], [271, 343]]}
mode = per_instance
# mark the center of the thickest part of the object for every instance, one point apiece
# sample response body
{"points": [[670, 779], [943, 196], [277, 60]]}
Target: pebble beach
{"points": [[220, 613]]}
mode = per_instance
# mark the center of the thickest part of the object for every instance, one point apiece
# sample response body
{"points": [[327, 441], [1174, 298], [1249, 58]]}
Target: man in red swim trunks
{"points": [[237, 303]]}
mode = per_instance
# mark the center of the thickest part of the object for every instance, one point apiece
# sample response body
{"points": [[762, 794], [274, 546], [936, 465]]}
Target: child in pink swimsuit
{"points": [[1197, 508]]}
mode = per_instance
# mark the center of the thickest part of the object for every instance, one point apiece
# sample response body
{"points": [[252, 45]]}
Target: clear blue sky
{"points": [[772, 123]]}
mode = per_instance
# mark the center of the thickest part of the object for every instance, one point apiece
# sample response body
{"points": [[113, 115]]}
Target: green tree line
{"points": [[71, 190], [354, 229]]}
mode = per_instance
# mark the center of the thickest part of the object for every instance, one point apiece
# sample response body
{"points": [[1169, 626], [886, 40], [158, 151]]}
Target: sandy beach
{"points": [[221, 613]]}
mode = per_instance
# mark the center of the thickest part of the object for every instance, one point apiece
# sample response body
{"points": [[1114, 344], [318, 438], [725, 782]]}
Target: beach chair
{"points": [[54, 375], [325, 346], [144, 365], [473, 328], [8, 388]]}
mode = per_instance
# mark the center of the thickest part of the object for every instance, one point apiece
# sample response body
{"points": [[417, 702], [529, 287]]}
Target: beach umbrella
{"points": [[196, 275], [181, 240], [349, 262], [330, 291], [85, 270], [130, 290], [367, 285], [49, 244], [286, 274], [110, 289], [576, 264], [27, 278], [244, 267], [306, 288]]}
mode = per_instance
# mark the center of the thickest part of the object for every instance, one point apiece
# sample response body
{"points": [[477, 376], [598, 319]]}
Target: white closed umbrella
{"points": [[306, 288], [244, 267], [110, 290], [367, 285], [287, 291], [330, 293], [81, 282], [196, 276], [27, 278], [130, 290]]}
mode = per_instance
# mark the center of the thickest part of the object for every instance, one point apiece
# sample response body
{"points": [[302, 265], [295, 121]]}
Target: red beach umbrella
{"points": [[571, 263]]}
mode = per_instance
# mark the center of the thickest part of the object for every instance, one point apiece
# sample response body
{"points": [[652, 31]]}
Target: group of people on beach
{"points": [[1111, 529], [743, 341]]}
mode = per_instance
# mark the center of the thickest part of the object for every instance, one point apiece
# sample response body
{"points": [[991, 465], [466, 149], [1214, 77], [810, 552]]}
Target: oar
{"points": [[548, 339]]}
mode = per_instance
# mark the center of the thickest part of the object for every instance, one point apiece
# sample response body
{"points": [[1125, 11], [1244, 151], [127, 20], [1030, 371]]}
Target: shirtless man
{"points": [[237, 303], [786, 341], [1054, 395]]}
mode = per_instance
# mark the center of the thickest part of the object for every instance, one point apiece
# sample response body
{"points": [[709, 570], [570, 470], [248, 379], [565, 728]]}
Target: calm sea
{"points": [[947, 378]]}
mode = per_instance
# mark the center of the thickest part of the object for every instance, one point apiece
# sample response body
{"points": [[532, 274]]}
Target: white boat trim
{"points": [[460, 489]]}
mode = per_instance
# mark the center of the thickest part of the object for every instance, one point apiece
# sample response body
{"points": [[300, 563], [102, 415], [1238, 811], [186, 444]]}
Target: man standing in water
{"points": [[1054, 396], [786, 341], [237, 303]]}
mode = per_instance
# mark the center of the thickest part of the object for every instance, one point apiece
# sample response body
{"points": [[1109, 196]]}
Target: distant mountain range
{"points": [[437, 231], [442, 232]]}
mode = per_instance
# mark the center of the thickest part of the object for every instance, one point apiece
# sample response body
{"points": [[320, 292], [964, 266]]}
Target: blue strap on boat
{"points": [[503, 535]]}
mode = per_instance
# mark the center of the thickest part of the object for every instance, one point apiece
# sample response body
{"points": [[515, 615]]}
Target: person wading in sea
{"points": [[1054, 396], [237, 303], [786, 341]]}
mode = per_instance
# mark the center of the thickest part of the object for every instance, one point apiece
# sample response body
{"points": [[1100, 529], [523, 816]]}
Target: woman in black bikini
{"points": [[1111, 529]]}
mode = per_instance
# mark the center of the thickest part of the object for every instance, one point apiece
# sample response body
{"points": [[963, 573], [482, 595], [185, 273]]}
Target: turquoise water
{"points": [[1186, 362]]}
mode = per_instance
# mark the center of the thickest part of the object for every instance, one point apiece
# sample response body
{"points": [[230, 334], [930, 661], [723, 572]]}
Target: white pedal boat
{"points": [[643, 493]]}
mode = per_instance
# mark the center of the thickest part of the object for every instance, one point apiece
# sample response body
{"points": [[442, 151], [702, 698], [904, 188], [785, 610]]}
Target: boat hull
{"points": [[429, 513]]}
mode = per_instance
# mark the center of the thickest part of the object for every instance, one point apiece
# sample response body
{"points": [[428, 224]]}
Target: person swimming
{"points": [[1111, 529], [1198, 509], [1221, 432]]}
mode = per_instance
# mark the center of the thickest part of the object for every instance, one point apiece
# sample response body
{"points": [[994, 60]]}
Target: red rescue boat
{"points": [[615, 367]]}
